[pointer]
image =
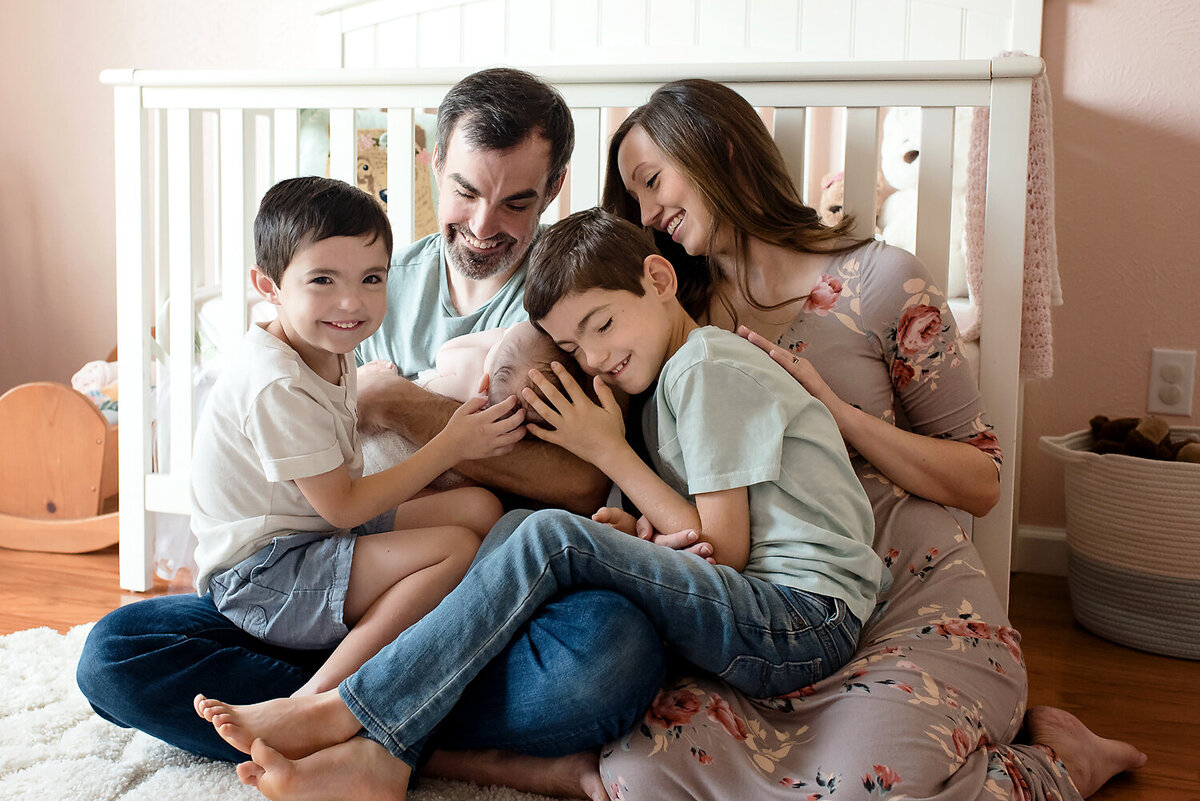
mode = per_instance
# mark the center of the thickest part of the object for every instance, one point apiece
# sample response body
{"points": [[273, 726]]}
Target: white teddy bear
{"points": [[900, 163]]}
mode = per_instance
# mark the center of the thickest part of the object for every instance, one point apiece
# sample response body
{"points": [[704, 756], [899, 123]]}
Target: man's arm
{"points": [[534, 469]]}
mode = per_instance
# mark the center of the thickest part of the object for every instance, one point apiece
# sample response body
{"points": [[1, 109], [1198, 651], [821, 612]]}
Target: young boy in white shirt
{"points": [[278, 495]]}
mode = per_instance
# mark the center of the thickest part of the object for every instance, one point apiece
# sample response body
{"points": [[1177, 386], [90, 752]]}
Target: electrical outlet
{"points": [[1172, 378]]}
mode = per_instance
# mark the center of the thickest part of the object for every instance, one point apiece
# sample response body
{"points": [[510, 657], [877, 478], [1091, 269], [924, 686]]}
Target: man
{"points": [[585, 669], [503, 143]]}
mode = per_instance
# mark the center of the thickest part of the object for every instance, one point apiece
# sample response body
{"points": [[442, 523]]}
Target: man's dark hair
{"points": [[591, 249], [500, 108], [301, 211]]}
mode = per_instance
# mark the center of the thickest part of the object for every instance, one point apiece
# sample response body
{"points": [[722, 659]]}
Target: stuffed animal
{"points": [[1148, 437], [372, 175], [833, 192], [900, 163], [372, 163]]}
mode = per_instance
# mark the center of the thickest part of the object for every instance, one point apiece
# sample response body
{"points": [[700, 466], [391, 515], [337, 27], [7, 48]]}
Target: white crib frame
{"points": [[161, 212]]}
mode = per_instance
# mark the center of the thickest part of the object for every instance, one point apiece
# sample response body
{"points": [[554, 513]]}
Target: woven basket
{"points": [[1133, 545]]}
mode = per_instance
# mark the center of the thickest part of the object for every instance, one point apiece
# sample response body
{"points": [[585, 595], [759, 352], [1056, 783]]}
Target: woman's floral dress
{"points": [[930, 705]]}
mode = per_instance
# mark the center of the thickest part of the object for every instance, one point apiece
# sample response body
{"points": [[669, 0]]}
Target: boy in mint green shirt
{"points": [[739, 450]]}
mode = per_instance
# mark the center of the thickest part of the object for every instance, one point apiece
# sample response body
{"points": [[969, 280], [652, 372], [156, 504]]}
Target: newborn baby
{"points": [[496, 361]]}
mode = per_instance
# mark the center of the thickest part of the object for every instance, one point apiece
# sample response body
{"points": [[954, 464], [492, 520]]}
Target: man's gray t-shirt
{"points": [[420, 316]]}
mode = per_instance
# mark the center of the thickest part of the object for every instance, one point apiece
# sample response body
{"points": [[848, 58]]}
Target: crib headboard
{"points": [[195, 151]]}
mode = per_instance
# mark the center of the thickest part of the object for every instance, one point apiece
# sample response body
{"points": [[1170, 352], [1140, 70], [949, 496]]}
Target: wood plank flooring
{"points": [[1149, 700]]}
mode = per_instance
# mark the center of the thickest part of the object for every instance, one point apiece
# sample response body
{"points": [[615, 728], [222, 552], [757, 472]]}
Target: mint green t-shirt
{"points": [[420, 316], [723, 416]]}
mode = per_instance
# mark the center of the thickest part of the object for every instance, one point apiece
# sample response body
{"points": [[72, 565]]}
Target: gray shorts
{"points": [[291, 593]]}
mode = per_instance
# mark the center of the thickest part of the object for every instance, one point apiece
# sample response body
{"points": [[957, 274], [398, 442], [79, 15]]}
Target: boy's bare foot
{"points": [[356, 768], [1090, 759], [573, 776], [295, 727]]}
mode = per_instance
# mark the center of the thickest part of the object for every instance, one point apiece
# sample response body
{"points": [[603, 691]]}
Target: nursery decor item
{"points": [[53, 747], [58, 471], [1133, 542]]}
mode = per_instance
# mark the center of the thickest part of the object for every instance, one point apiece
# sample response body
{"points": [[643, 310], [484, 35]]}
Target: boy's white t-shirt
{"points": [[269, 420]]}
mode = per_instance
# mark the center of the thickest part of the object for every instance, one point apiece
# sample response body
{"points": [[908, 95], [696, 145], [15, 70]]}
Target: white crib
{"points": [[195, 151]]}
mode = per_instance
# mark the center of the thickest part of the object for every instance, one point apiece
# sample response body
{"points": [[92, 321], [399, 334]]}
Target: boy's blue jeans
{"points": [[580, 674], [762, 638]]}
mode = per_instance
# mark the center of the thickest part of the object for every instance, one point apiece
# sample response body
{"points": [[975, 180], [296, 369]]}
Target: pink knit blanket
{"points": [[1041, 288]]}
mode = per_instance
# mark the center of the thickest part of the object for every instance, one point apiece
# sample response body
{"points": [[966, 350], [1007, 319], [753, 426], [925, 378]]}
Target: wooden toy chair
{"points": [[58, 471]]}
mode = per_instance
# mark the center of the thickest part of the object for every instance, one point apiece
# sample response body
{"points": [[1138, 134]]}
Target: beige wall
{"points": [[1127, 162], [1127, 139], [58, 296]]}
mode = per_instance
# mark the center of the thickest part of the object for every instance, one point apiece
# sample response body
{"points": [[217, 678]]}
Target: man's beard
{"points": [[478, 266]]}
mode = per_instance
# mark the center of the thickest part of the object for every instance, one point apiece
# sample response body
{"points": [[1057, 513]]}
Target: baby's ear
{"points": [[485, 383], [264, 285]]}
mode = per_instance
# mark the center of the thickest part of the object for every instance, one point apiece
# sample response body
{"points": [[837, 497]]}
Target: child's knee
{"points": [[483, 510]]}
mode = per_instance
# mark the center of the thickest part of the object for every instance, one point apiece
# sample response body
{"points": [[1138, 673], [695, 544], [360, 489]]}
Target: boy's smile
{"points": [[331, 297]]}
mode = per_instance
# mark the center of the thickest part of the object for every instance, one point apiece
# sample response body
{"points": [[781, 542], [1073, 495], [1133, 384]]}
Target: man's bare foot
{"points": [[1090, 759], [574, 776], [295, 727], [356, 768]]}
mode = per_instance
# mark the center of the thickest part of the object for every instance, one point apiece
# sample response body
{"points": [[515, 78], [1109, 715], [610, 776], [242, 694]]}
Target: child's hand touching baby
{"points": [[475, 432]]}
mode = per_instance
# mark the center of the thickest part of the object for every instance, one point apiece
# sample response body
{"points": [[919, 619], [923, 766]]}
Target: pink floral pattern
{"points": [[824, 295], [938, 678]]}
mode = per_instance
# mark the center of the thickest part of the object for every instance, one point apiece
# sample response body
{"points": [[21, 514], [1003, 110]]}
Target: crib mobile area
{"points": [[196, 150]]}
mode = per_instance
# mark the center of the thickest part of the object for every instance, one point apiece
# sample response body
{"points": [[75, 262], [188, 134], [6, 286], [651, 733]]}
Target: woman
{"points": [[931, 704]]}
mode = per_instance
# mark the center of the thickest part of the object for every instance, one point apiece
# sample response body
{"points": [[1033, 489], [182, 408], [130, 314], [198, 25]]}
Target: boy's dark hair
{"points": [[590, 249], [301, 211], [500, 108]]}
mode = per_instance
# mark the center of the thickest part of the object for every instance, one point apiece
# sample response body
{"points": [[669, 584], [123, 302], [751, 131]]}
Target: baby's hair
{"points": [[590, 249], [510, 373], [298, 212]]}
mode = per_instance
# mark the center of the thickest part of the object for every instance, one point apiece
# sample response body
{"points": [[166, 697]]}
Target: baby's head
{"points": [[524, 348]]}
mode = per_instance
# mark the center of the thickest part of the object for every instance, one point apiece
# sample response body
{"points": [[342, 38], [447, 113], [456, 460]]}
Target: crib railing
{"points": [[195, 151]]}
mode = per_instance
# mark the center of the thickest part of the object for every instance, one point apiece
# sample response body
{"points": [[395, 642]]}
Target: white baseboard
{"points": [[1040, 549]]}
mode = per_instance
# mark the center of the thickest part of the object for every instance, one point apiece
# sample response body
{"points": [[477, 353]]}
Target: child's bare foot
{"points": [[356, 768], [295, 727], [1090, 759], [573, 776]]}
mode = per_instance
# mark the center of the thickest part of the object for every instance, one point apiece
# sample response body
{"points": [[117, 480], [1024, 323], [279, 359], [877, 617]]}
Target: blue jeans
{"points": [[581, 673], [762, 638]]}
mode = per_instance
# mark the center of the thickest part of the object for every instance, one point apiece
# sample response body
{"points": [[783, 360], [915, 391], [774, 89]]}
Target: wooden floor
{"points": [[1151, 701]]}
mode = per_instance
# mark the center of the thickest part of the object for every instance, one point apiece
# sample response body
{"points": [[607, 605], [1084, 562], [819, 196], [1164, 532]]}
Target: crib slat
{"points": [[587, 163], [862, 166], [343, 150], [134, 296], [234, 227], [790, 137], [401, 147], [933, 199], [1003, 276], [287, 143], [181, 168]]}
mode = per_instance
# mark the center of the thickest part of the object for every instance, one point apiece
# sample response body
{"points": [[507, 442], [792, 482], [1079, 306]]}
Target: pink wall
{"points": [[1127, 172], [58, 301], [1127, 140]]}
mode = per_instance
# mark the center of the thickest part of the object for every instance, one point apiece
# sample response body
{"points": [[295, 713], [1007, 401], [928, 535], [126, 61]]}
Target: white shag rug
{"points": [[54, 748]]}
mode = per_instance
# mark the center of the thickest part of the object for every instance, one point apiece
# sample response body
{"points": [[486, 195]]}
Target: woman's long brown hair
{"points": [[721, 144]]}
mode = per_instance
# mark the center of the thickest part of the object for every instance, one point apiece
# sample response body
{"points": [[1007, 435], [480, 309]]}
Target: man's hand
{"points": [[588, 430]]}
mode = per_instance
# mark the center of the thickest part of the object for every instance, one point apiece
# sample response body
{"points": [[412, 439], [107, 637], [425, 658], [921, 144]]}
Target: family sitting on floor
{"points": [[782, 582]]}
